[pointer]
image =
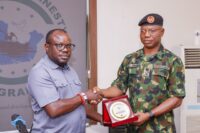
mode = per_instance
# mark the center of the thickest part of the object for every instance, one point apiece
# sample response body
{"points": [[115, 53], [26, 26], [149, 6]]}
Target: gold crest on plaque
{"points": [[119, 110]]}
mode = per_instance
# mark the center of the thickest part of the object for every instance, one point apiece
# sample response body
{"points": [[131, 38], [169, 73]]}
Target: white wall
{"points": [[118, 33]]}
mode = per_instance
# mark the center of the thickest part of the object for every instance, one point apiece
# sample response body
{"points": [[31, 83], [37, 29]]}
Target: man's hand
{"points": [[97, 91], [93, 97], [142, 117]]}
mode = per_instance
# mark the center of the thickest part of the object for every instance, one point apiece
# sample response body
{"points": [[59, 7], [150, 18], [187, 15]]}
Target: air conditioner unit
{"points": [[190, 109]]}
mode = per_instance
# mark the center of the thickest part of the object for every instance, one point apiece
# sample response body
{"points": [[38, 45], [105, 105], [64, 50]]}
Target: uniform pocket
{"points": [[160, 70], [132, 68], [133, 76]]}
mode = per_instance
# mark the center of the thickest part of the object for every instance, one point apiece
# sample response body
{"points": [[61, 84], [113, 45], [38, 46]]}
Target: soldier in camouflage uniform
{"points": [[155, 79]]}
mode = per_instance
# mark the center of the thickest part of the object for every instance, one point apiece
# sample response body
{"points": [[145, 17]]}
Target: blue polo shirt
{"points": [[47, 82]]}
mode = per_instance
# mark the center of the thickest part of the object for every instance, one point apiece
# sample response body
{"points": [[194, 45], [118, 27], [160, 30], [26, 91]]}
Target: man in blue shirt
{"points": [[55, 89]]}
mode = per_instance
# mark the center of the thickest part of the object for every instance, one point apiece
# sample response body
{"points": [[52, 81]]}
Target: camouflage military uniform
{"points": [[151, 80]]}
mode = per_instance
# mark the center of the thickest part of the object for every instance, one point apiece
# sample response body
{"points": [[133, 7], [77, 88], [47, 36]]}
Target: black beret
{"points": [[151, 19]]}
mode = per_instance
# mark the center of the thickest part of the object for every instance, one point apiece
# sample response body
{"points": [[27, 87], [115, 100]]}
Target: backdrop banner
{"points": [[23, 26]]}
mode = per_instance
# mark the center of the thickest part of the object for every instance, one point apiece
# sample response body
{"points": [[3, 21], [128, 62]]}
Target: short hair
{"points": [[48, 35]]}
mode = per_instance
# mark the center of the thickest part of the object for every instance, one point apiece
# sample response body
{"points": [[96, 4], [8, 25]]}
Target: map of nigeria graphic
{"points": [[12, 51]]}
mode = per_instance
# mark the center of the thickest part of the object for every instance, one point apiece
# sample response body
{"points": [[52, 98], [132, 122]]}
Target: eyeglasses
{"points": [[150, 31], [61, 47]]}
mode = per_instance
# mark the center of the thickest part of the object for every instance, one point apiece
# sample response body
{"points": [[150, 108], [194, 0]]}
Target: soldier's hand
{"points": [[93, 98], [97, 91], [142, 117]]}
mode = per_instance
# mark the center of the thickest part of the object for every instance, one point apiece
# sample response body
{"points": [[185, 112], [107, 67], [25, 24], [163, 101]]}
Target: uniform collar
{"points": [[159, 55], [53, 65], [161, 52]]}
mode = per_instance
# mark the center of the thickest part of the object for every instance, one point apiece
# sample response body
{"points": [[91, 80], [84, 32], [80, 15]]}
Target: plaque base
{"points": [[117, 111]]}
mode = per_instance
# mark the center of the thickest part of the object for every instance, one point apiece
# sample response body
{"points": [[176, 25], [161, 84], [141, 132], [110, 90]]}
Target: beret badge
{"points": [[150, 19]]}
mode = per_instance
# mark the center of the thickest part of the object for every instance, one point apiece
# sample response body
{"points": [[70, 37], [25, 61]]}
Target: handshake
{"points": [[92, 96]]}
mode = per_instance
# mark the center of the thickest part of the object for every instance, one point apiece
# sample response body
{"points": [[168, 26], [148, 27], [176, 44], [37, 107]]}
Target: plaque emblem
{"points": [[119, 110]]}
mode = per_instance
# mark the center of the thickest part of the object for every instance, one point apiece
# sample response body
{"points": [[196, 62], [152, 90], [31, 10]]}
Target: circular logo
{"points": [[150, 19], [22, 38], [119, 111]]}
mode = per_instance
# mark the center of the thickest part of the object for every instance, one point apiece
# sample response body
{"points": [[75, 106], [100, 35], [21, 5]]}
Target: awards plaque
{"points": [[117, 111]]}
